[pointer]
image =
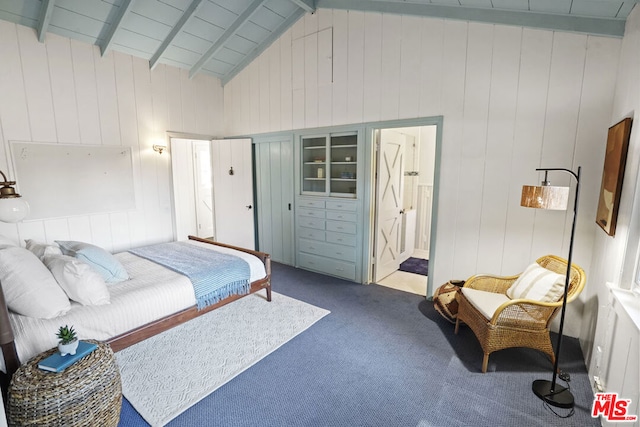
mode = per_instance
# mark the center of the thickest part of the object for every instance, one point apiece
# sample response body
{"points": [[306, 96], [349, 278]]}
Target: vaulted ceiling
{"points": [[220, 37]]}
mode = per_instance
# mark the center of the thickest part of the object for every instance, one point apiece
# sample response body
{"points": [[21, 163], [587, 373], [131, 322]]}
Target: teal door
{"points": [[274, 187]]}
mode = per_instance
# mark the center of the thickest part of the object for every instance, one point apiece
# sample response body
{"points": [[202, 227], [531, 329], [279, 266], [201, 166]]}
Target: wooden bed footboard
{"points": [[7, 343]]}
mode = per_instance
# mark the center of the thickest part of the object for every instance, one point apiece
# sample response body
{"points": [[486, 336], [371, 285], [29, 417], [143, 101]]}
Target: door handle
{"points": [[249, 206], [401, 211]]}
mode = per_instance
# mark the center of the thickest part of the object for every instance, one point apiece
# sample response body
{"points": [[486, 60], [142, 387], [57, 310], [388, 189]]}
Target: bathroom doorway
{"points": [[405, 169]]}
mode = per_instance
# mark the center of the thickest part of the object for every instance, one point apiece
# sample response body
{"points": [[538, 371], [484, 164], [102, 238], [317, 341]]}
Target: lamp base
{"points": [[560, 397]]}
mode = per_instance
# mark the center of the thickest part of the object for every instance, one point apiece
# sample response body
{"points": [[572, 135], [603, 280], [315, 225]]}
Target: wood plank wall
{"points": [[512, 98], [63, 91]]}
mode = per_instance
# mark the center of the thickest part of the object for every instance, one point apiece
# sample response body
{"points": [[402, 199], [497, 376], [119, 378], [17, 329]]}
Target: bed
{"points": [[152, 300]]}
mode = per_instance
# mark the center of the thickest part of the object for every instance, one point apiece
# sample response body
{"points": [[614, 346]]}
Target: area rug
{"points": [[166, 374], [415, 265]]}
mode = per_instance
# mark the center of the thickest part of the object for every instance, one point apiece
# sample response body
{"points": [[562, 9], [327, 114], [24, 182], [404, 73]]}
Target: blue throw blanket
{"points": [[214, 275]]}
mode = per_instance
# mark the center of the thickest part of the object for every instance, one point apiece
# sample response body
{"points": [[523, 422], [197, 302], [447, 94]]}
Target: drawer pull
{"points": [[338, 253], [310, 223], [340, 216], [339, 228], [312, 248], [339, 269], [339, 240]]}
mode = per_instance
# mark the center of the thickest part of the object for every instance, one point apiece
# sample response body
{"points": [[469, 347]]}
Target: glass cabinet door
{"points": [[314, 164], [343, 166]]}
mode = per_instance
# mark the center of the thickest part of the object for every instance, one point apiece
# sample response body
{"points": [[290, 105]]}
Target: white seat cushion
{"points": [[485, 302]]}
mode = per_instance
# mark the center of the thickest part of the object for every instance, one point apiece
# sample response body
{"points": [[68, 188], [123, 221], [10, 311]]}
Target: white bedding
{"points": [[151, 293]]}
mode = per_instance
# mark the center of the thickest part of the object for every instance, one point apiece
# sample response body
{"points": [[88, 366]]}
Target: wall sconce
{"points": [[159, 148], [12, 207]]}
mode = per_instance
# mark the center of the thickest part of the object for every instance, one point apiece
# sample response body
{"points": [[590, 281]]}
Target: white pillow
{"points": [[42, 249], [538, 283], [29, 288], [111, 270], [80, 282], [6, 242]]}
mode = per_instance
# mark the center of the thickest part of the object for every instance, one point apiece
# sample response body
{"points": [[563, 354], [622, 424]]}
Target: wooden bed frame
{"points": [[12, 363]]}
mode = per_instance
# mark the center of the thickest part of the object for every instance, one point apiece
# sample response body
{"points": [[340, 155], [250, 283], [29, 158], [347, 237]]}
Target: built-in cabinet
{"points": [[329, 165], [328, 210]]}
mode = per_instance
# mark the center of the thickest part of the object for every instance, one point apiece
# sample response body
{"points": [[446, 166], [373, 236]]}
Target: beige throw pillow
{"points": [[537, 283], [80, 282]]}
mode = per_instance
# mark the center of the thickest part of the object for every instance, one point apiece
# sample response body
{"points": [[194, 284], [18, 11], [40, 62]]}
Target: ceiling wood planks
{"points": [[221, 37]]}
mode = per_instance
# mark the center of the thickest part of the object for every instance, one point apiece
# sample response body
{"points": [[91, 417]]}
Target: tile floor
{"points": [[408, 282]]}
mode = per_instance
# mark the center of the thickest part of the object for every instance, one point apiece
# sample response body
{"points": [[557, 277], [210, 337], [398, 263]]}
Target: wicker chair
{"points": [[517, 322]]}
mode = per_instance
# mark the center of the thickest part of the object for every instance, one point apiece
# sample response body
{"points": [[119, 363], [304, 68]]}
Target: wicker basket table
{"points": [[87, 393]]}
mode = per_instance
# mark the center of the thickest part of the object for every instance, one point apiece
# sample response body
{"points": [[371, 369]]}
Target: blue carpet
{"points": [[384, 358]]}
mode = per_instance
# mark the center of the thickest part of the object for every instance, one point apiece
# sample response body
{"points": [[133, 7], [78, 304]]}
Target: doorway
{"points": [[213, 190], [405, 172], [192, 188]]}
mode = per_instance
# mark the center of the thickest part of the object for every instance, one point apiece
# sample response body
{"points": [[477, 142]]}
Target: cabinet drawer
{"points": [[314, 213], [311, 222], [329, 266], [310, 233], [308, 203], [341, 252], [340, 238], [341, 216], [341, 206], [341, 227]]}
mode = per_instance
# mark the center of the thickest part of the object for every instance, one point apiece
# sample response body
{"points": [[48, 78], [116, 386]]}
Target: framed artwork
{"points": [[614, 162]]}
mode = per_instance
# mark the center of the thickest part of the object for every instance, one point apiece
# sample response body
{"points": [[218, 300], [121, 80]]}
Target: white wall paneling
{"points": [[63, 91], [372, 66], [613, 258], [496, 201], [512, 99]]}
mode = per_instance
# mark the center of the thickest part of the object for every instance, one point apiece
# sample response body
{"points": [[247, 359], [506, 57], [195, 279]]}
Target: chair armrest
{"points": [[490, 283], [517, 312]]}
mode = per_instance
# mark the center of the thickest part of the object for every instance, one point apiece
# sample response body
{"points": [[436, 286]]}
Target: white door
{"points": [[203, 188], [390, 170], [233, 192]]}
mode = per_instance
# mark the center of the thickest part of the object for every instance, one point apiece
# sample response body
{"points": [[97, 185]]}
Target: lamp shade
{"points": [[545, 197], [13, 209]]}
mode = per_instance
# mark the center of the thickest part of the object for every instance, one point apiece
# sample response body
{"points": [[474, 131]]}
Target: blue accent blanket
{"points": [[214, 275]]}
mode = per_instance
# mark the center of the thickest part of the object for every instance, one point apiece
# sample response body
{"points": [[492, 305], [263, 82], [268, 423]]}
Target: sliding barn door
{"points": [[233, 192]]}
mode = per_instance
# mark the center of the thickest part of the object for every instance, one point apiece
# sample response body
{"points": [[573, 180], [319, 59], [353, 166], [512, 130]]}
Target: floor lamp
{"points": [[549, 197]]}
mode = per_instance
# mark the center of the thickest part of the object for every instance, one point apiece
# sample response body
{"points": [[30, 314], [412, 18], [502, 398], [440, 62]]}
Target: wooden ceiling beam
{"points": [[108, 40], [191, 10], [46, 10], [230, 32]]}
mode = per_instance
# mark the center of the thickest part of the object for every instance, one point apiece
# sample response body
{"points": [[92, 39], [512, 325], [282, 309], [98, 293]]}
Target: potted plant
{"points": [[68, 340]]}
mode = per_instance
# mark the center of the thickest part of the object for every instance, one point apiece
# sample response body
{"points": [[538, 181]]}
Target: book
{"points": [[58, 363]]}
